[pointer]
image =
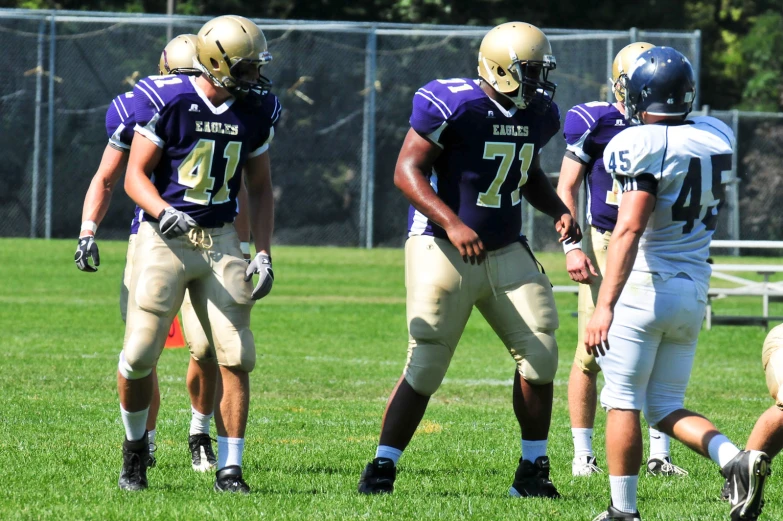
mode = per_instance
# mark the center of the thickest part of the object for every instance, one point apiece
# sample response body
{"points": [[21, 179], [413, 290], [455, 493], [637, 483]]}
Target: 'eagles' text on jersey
{"points": [[690, 162], [204, 146], [487, 151], [588, 128]]}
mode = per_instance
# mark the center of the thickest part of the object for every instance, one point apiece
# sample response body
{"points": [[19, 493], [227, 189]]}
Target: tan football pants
{"points": [[213, 274], [772, 360], [199, 345], [507, 288], [595, 247]]}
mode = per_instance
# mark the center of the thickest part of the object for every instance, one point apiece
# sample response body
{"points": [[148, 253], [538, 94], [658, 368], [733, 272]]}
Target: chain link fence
{"points": [[346, 90]]}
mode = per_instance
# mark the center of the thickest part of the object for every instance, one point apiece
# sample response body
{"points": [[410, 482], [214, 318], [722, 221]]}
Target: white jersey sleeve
{"points": [[635, 151]]}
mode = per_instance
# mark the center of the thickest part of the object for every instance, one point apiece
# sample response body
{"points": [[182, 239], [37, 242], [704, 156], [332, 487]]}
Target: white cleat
{"points": [[585, 466], [664, 467]]}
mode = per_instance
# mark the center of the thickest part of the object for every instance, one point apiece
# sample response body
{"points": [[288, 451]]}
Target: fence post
{"points": [[633, 34], [609, 62], [696, 42], [50, 144], [734, 216], [366, 205], [37, 132]]}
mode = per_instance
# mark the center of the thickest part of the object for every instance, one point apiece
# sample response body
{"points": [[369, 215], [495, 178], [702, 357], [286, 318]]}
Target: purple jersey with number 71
{"points": [[204, 146], [487, 151]]}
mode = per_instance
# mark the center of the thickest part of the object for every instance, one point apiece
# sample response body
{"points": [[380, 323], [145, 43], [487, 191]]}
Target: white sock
{"points": [[230, 451], [384, 451], [532, 450], [624, 492], [199, 423], [583, 442], [659, 444], [151, 436], [135, 423], [722, 450]]}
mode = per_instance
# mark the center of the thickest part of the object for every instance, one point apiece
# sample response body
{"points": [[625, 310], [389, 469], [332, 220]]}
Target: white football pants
{"points": [[652, 345]]}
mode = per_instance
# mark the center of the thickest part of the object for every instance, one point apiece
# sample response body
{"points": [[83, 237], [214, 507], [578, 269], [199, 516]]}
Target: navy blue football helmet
{"points": [[661, 83]]}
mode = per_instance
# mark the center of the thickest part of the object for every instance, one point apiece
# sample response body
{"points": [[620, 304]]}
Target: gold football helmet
{"points": [[515, 59], [231, 51], [177, 57], [622, 65]]}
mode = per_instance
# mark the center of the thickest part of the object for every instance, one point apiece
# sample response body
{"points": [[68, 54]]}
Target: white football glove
{"points": [[174, 223], [261, 264], [87, 249]]}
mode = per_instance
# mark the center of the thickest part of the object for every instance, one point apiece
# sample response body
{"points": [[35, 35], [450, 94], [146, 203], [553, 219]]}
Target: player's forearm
{"points": [[261, 203], [98, 197], [571, 175], [242, 222], [141, 190], [539, 193], [621, 255], [415, 187]]}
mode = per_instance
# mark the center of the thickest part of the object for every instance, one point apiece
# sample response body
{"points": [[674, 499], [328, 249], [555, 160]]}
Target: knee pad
{"points": [[537, 360], [128, 371], [237, 352], [585, 362], [655, 411], [142, 349], [426, 367]]}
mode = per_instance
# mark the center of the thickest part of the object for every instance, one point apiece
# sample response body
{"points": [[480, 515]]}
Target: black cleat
{"points": [[746, 475], [201, 454], [532, 480], [725, 492], [378, 477], [135, 454], [612, 514], [229, 479]]}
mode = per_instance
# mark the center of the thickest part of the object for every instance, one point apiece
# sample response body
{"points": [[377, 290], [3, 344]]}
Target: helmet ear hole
{"points": [[501, 72], [215, 64]]}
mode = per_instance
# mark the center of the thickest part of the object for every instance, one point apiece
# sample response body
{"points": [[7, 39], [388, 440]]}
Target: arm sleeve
{"points": [[274, 109], [551, 125], [642, 182], [634, 152], [116, 117], [148, 106], [430, 115], [576, 131]]}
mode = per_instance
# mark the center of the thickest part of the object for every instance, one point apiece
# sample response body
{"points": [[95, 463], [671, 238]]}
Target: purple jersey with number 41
{"points": [[204, 146], [588, 128], [487, 151]]}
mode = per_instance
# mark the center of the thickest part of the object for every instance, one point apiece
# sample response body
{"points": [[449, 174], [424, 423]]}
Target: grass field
{"points": [[331, 343]]}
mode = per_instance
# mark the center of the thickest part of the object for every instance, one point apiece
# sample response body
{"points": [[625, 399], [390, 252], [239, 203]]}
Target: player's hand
{"points": [[597, 331], [568, 229], [261, 264], [467, 242], [174, 223], [580, 267], [87, 249]]}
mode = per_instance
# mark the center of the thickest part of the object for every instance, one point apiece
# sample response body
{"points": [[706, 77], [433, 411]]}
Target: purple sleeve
{"points": [[429, 112], [576, 130], [147, 107], [551, 125], [113, 119]]}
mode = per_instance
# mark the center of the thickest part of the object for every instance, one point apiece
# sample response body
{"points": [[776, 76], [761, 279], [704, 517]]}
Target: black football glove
{"points": [[261, 264], [87, 249], [174, 223]]}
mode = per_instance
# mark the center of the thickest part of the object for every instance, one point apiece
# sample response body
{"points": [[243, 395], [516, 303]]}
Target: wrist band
{"points": [[245, 247], [90, 226], [572, 246]]}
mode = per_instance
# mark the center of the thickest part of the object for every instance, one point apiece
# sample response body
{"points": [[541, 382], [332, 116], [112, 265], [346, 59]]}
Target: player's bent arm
{"points": [[260, 201], [98, 197], [635, 211], [144, 157], [417, 156]]}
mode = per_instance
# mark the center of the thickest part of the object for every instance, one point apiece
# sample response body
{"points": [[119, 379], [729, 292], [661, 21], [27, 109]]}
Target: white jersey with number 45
{"points": [[686, 166]]}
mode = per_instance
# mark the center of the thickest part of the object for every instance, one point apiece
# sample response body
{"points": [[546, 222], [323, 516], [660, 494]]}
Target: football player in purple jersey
{"points": [[195, 138], [588, 128], [176, 58], [471, 155]]}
